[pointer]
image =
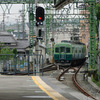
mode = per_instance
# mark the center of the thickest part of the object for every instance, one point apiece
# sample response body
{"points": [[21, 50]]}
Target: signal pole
{"points": [[36, 48], [39, 23], [3, 21], [23, 20]]}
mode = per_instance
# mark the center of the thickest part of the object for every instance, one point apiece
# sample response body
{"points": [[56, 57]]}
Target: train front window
{"points": [[57, 50], [67, 50], [62, 49]]}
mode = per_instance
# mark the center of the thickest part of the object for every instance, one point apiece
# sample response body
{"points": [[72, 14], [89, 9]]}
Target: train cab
{"points": [[62, 54], [69, 53]]}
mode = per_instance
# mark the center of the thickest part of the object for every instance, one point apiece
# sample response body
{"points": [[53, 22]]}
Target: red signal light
{"points": [[40, 18], [40, 14]]}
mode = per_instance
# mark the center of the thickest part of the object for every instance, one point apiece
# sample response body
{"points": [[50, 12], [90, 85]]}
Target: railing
{"points": [[20, 64]]}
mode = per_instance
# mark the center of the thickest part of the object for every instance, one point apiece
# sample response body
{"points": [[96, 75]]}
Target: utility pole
{"points": [[52, 50], [99, 53], [18, 28], [23, 20], [37, 46], [3, 21]]}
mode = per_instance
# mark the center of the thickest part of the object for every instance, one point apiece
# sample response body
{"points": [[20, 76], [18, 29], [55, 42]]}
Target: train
{"points": [[69, 53]]}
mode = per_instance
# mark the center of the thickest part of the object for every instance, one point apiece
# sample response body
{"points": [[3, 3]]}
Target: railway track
{"points": [[49, 68], [74, 78], [64, 71]]}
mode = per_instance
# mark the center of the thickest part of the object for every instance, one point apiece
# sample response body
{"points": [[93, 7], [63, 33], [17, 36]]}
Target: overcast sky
{"points": [[12, 14]]}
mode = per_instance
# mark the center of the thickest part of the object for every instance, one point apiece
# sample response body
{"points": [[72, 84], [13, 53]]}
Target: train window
{"points": [[82, 50], [57, 50], [67, 50], [62, 49], [75, 51], [72, 49]]}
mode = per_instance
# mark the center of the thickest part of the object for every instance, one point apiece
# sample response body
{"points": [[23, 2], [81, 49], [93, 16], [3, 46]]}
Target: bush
{"points": [[98, 83]]}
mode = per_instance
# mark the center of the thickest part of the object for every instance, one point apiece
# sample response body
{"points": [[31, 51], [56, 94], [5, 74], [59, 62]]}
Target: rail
{"points": [[74, 78]]}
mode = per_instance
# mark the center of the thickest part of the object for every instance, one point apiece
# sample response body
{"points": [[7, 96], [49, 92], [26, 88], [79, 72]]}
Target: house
{"points": [[22, 45], [9, 40], [20, 35]]}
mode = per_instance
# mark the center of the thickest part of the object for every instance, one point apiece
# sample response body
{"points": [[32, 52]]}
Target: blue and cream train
{"points": [[69, 53]]}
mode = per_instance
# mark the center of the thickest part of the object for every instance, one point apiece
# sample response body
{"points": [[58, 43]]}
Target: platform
{"points": [[36, 88]]}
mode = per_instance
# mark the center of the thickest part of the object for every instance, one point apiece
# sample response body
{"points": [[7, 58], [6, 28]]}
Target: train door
{"points": [[62, 54]]}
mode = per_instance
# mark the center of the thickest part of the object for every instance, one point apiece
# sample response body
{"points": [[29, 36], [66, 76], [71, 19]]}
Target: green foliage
{"points": [[92, 78], [97, 75], [14, 51], [6, 54], [98, 83], [1, 46], [10, 30], [97, 15], [98, 11], [6, 51], [96, 44]]}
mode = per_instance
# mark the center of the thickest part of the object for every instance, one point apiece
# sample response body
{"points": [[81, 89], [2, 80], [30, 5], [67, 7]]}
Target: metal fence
{"points": [[21, 64]]}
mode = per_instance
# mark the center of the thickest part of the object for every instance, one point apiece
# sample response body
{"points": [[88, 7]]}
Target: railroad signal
{"points": [[39, 14], [52, 39], [31, 45], [40, 34]]}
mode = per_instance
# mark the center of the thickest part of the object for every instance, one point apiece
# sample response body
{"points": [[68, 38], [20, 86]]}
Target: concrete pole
{"points": [[3, 21], [99, 53], [37, 47], [52, 50], [23, 20], [18, 28]]}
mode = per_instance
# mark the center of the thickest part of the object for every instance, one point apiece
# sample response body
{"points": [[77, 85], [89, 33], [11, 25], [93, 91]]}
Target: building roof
{"points": [[22, 44], [19, 44], [6, 37], [20, 35], [4, 33]]}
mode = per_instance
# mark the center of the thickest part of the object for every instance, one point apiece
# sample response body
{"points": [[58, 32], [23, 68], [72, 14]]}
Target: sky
{"points": [[13, 14]]}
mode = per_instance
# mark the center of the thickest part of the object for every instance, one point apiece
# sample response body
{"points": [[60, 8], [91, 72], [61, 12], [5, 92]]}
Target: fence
{"points": [[21, 64]]}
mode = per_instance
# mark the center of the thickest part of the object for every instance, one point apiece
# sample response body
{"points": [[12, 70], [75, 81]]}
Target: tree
{"points": [[98, 11], [14, 51], [98, 21], [10, 30], [6, 53], [1, 46], [98, 15]]}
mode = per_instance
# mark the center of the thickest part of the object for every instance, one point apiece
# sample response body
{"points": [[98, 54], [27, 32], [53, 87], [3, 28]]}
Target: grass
{"points": [[96, 82]]}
